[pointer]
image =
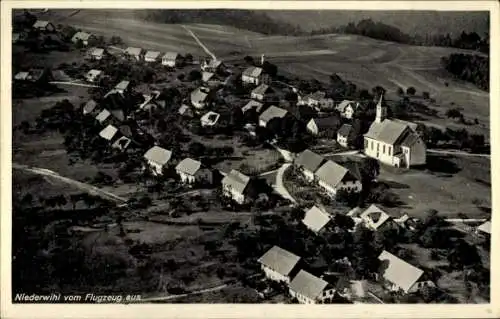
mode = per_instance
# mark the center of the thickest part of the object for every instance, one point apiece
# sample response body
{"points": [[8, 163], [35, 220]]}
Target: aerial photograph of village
{"points": [[250, 156]]}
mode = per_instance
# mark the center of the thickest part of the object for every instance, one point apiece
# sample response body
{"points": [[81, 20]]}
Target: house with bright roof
{"points": [[171, 59], [309, 289], [394, 142], [103, 116], [209, 119], [261, 93], [135, 53], [85, 37], [255, 75], [152, 56], [44, 26], [347, 108], [122, 87], [97, 53], [94, 75], [157, 157], [200, 97], [279, 264], [376, 218], [333, 177], [316, 219], [90, 107], [213, 66], [398, 275], [236, 186], [109, 133], [308, 162], [323, 126], [192, 171], [273, 112]]}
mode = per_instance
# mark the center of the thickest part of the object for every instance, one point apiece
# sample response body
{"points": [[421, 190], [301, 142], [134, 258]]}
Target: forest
{"points": [[469, 67]]}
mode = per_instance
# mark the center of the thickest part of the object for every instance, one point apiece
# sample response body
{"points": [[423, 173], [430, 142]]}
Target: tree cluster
{"points": [[469, 67]]}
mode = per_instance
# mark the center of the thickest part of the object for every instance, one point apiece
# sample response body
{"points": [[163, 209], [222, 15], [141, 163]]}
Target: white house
{"points": [[192, 171], [347, 108], [85, 37], [109, 132], [261, 93], [122, 87], [209, 119], [200, 97], [374, 217], [158, 158], [271, 113], [94, 75], [213, 66], [235, 185], [103, 116], [308, 162], [90, 107], [97, 53], [171, 59], [345, 135], [279, 264], [255, 75], [44, 26], [135, 53], [316, 219], [309, 289], [394, 142], [333, 177], [484, 229], [400, 275], [152, 56], [323, 125]]}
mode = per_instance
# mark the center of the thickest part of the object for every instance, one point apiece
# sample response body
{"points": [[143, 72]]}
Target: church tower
{"points": [[381, 111]]}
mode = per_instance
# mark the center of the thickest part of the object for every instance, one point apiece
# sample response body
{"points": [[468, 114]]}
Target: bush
{"points": [[411, 90], [426, 95]]}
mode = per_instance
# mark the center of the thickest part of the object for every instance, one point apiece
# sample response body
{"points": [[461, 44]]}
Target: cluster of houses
{"points": [[285, 267]]}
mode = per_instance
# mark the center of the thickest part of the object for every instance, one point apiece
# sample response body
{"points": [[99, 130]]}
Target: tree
{"points": [[411, 90], [426, 95], [79, 44], [343, 221], [297, 214], [194, 75], [463, 255], [115, 40], [270, 68], [196, 149], [188, 59], [454, 113], [400, 91], [249, 60]]}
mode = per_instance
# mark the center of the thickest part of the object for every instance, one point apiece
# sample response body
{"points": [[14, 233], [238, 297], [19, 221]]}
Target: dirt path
{"points": [[280, 186], [83, 186], [200, 43], [458, 153], [74, 84]]}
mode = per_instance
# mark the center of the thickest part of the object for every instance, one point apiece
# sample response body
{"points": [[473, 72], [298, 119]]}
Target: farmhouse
{"points": [[103, 116], [207, 76], [261, 93], [257, 106], [254, 75], [158, 157], [323, 125], [394, 142], [192, 171], [333, 177], [347, 108], [279, 264], [400, 275], [85, 37], [122, 87], [308, 162], [171, 59], [209, 119], [109, 132], [185, 110], [94, 75], [375, 218], [97, 53], [316, 219], [44, 26], [89, 107], [345, 135], [236, 186], [271, 113], [152, 56], [214, 66], [200, 97], [135, 53], [309, 289]]}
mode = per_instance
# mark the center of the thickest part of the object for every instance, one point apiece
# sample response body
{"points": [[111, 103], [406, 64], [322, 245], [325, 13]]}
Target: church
{"points": [[394, 142]]}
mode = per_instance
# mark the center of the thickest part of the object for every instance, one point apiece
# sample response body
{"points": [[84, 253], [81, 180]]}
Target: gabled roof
{"points": [[236, 180], [198, 96], [377, 216], [210, 118], [97, 51], [345, 103], [309, 160], [123, 85], [103, 115], [411, 125], [133, 51], [89, 107], [388, 131], [345, 130], [188, 166], [214, 64], [207, 76], [108, 132], [323, 123], [158, 155], [315, 219], [152, 55], [317, 96], [170, 56], [331, 173], [308, 285], [271, 113], [253, 71], [485, 227], [40, 24], [261, 89], [398, 271], [253, 104], [280, 260], [93, 73], [410, 139], [184, 109], [84, 36]]}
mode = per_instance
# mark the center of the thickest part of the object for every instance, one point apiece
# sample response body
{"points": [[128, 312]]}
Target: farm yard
{"points": [[180, 207]]}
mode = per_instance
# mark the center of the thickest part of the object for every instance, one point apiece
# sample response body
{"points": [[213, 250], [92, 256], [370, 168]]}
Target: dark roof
{"points": [[309, 160], [345, 130], [326, 122]]}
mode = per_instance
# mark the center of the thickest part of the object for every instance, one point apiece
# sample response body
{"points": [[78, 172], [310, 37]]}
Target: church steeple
{"points": [[381, 110]]}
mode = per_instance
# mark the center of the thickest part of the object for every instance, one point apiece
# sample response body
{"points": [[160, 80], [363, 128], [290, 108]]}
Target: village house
{"points": [[192, 171], [158, 158], [207, 77], [235, 185], [347, 108], [309, 289], [122, 87], [134, 53], [90, 107], [152, 56], [209, 119], [394, 142], [34, 75], [345, 135], [257, 106], [171, 59], [185, 110], [375, 218], [109, 133], [200, 97], [103, 116], [316, 219], [271, 113], [94, 75], [255, 75], [85, 37], [308, 162], [279, 264], [261, 93], [213, 66], [323, 126], [333, 177], [44, 26], [398, 275], [97, 54], [484, 230]]}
